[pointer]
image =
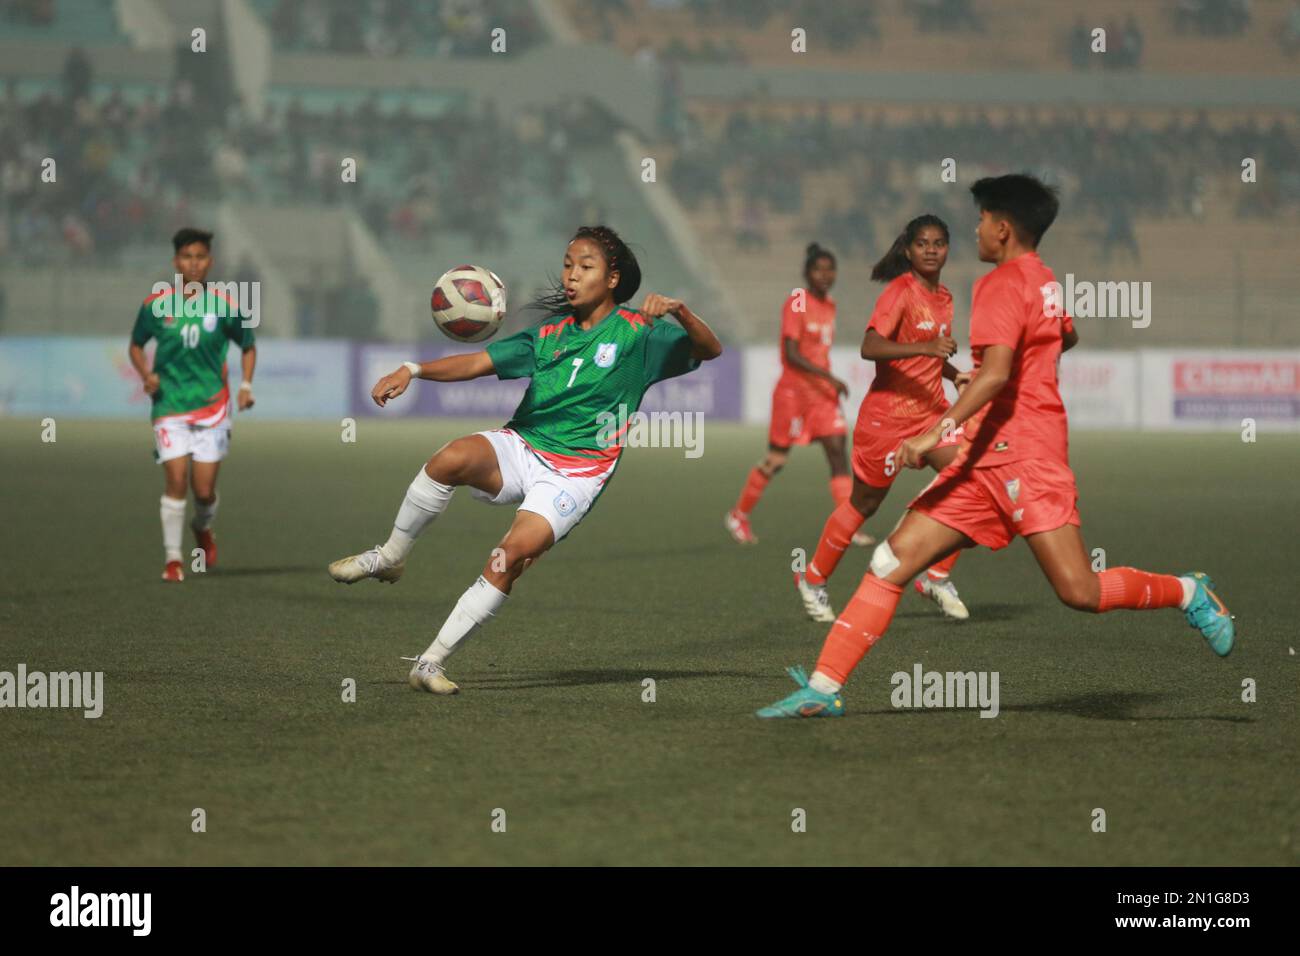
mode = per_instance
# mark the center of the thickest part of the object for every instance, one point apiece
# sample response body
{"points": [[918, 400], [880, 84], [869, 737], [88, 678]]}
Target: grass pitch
{"points": [[225, 693]]}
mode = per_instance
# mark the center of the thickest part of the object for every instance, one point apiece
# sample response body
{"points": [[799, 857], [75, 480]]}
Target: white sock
{"points": [[1189, 591], [823, 684], [425, 500], [476, 606], [204, 515], [172, 513]]}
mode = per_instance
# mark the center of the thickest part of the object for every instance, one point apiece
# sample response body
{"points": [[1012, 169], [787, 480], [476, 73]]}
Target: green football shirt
{"points": [[580, 378], [190, 359]]}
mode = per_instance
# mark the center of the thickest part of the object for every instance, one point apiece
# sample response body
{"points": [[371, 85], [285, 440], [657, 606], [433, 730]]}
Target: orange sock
{"points": [[753, 490], [841, 488], [840, 527], [1137, 590], [862, 623], [941, 569]]}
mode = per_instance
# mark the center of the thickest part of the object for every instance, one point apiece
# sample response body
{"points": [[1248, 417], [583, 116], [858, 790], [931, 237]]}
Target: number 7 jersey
{"points": [[583, 380]]}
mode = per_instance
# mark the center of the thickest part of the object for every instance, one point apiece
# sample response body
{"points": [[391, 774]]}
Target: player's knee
{"points": [[883, 560], [1082, 594], [448, 465], [772, 464]]}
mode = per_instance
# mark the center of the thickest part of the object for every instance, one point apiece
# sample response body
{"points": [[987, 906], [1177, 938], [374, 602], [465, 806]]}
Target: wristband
{"points": [[413, 368], [245, 386]]}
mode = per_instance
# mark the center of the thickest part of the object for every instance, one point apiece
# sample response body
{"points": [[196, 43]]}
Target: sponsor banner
{"points": [[713, 388], [92, 378], [1217, 390], [1100, 389]]}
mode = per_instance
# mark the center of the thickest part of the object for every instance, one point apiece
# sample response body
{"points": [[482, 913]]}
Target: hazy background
{"points": [[465, 154]]}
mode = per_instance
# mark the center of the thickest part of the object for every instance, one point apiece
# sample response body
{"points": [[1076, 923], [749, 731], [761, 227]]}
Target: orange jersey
{"points": [[813, 330], [1013, 305], [909, 389]]}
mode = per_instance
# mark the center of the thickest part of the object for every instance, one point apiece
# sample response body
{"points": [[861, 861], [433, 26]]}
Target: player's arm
{"points": [[704, 344], [877, 348], [1069, 339], [247, 363], [452, 368], [140, 362], [796, 358], [994, 371]]}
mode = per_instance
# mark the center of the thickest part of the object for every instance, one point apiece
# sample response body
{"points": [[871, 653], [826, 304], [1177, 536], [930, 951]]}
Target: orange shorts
{"points": [[875, 448], [993, 505], [798, 419]]}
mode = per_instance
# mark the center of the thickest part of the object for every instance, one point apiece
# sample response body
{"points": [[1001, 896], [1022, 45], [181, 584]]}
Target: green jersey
{"points": [[190, 360], [582, 379]]}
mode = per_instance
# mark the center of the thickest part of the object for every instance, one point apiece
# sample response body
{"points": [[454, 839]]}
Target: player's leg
{"points": [[471, 460], [837, 533], [172, 450], [552, 506], [936, 584], [529, 537], [917, 542], [737, 519], [1064, 560], [841, 483], [203, 482]]}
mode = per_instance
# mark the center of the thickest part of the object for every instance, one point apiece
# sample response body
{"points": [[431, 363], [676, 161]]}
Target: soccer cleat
{"points": [[367, 564], [944, 594], [816, 602], [208, 542], [173, 572], [426, 675], [804, 702], [738, 525], [1207, 614], [862, 539]]}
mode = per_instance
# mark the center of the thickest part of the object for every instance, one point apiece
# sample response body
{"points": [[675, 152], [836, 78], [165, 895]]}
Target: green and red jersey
{"points": [[581, 378], [190, 359]]}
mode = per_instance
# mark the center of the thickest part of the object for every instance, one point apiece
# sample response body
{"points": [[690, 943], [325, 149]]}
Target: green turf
{"points": [[225, 693]]}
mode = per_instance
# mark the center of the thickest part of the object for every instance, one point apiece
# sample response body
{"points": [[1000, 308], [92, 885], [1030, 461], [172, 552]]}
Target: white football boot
{"points": [[816, 602], [944, 594], [367, 564], [426, 675]]}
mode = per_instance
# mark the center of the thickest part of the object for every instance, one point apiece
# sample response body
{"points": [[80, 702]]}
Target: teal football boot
{"points": [[1207, 614], [804, 702]]}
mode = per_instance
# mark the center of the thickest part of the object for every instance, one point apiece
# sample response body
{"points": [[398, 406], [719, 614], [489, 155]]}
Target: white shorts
{"points": [[536, 486], [175, 438]]}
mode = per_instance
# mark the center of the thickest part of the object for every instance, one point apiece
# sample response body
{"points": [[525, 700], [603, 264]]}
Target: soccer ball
{"points": [[468, 303]]}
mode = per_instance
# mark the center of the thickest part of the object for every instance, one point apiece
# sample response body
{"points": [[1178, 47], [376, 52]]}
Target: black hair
{"points": [[1023, 199], [188, 235], [618, 258], [812, 254], [895, 262]]}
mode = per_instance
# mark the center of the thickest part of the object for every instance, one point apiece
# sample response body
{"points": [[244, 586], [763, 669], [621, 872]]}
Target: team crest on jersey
{"points": [[564, 503], [1013, 489], [925, 326], [210, 322], [605, 353]]}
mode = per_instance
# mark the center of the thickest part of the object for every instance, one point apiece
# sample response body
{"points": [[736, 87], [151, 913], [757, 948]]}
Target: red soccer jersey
{"points": [[1013, 305], [813, 330], [909, 388]]}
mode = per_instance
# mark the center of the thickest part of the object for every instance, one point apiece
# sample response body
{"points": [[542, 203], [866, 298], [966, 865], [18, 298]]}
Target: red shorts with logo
{"points": [[875, 447], [993, 505], [799, 418]]}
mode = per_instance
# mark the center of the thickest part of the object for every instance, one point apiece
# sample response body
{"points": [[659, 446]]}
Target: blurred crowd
{"points": [[389, 27], [1111, 170]]}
